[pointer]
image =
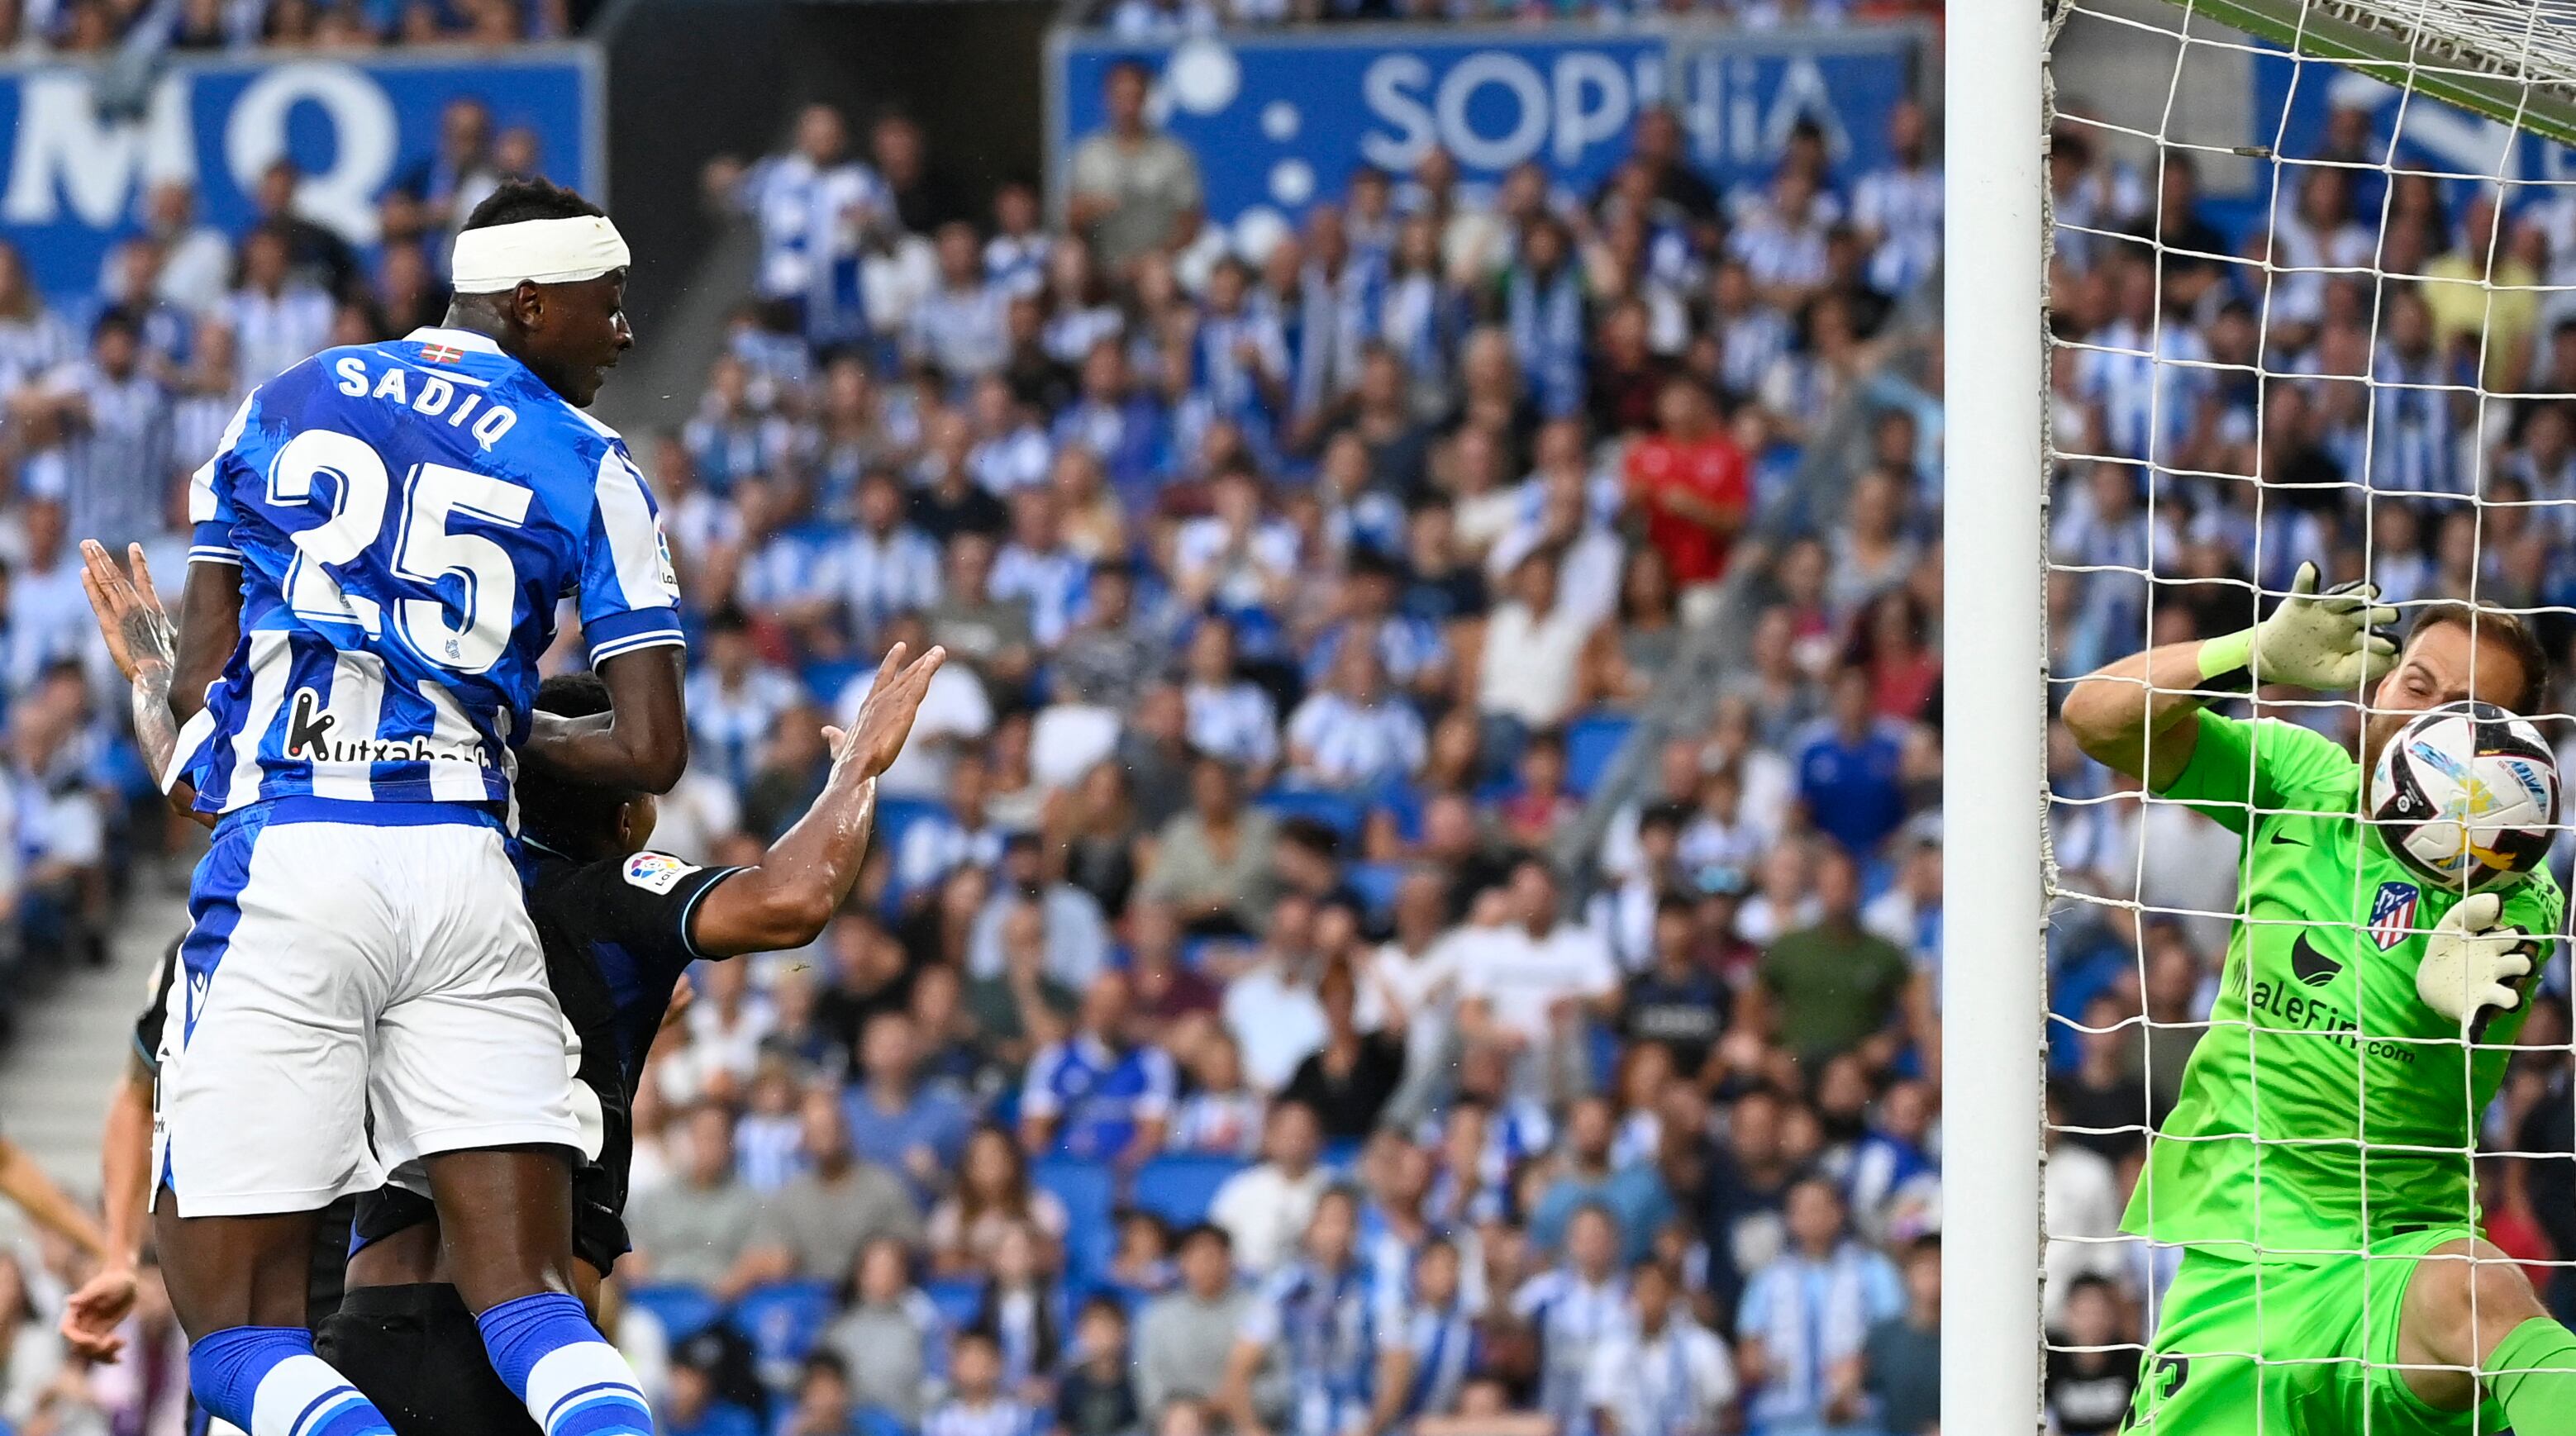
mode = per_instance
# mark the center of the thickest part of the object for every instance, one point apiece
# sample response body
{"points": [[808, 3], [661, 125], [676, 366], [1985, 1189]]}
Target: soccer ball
{"points": [[2467, 795]]}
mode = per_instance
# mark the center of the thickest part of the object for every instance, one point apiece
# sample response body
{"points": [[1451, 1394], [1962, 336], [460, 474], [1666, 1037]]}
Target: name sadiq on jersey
{"points": [[457, 396]]}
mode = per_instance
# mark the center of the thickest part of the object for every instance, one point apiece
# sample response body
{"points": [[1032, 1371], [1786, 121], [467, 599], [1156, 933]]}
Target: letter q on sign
{"points": [[363, 133]]}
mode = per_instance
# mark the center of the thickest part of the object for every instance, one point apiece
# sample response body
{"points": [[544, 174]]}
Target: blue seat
{"points": [[1376, 883], [958, 1299], [1339, 811], [782, 1321], [684, 1311], [1179, 1189], [826, 677], [1089, 1191], [1592, 743]]}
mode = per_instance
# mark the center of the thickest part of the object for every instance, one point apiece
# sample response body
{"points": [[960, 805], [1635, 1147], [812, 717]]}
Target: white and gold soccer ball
{"points": [[2467, 795]]}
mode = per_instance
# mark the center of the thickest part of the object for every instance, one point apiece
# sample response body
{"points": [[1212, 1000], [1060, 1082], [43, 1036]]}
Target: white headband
{"points": [[535, 251]]}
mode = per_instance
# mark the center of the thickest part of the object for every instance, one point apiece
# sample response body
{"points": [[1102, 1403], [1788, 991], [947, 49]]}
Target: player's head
{"points": [[575, 819], [2456, 651], [543, 272]]}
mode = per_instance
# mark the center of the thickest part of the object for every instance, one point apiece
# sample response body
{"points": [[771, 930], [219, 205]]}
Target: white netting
{"points": [[2298, 315]]}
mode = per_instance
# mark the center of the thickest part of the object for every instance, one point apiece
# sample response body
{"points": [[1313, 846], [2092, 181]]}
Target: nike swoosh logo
{"points": [[2282, 837]]}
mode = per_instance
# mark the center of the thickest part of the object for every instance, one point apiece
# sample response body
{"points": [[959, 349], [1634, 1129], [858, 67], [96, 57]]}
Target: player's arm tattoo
{"points": [[156, 729]]}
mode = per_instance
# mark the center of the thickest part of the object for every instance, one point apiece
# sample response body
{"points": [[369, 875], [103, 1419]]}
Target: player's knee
{"points": [[2463, 1297]]}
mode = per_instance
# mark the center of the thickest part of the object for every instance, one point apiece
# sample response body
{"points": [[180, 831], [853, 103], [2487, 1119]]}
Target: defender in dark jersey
{"points": [[619, 924]]}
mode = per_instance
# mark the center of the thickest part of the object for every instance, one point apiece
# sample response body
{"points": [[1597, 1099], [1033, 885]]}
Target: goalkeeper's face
{"points": [[2441, 664]]}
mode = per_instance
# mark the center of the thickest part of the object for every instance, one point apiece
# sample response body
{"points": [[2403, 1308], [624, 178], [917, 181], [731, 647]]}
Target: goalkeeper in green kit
{"points": [[2317, 1167]]}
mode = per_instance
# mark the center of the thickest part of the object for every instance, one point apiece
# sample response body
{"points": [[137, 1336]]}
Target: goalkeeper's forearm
{"points": [[2129, 715]]}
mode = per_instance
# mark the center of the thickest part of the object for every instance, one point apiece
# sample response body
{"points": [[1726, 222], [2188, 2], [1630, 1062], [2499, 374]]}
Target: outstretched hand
{"points": [[92, 1315], [137, 628], [876, 736]]}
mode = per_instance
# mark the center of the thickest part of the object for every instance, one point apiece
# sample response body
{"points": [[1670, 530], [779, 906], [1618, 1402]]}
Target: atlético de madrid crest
{"points": [[2392, 914]]}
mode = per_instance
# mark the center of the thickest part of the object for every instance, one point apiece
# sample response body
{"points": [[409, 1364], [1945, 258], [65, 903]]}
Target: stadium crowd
{"points": [[1237, 1027]]}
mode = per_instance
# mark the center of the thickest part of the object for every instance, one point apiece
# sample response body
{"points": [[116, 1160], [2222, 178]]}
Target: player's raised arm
{"points": [[2129, 715], [642, 742], [786, 900], [143, 642]]}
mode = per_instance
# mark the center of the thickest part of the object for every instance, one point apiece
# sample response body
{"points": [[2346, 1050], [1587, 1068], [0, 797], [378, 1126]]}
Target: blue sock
{"points": [[552, 1358], [267, 1381]]}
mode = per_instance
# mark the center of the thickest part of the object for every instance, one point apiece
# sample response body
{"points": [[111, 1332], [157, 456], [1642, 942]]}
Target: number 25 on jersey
{"points": [[425, 548]]}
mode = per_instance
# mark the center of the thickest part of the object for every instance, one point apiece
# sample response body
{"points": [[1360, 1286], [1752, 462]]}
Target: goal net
{"points": [[2307, 296]]}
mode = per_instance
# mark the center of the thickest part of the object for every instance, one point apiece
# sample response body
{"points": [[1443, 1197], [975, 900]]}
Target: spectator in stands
{"points": [[823, 1400], [1662, 1374], [698, 1231], [1184, 1337], [979, 1403], [1098, 1094], [993, 1195], [1354, 734], [808, 202], [1271, 1006], [1134, 191], [1023, 1310], [896, 1120], [1903, 1356], [1077, 936], [276, 317], [1806, 1318], [1524, 985], [1312, 1318], [816, 1225], [1095, 1396], [1571, 1309], [887, 1337], [1347, 1082], [1265, 1210], [1835, 987], [1222, 1114], [1848, 769], [1212, 863]]}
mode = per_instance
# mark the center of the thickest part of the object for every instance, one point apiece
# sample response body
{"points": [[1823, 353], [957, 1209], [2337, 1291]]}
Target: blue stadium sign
{"points": [[77, 171], [1281, 119]]}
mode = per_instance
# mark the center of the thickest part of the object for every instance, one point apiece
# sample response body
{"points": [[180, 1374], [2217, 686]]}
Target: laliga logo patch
{"points": [[656, 872]]}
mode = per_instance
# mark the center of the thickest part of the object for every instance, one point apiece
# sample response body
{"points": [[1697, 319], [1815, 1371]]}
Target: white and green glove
{"points": [[2470, 963], [2326, 641]]}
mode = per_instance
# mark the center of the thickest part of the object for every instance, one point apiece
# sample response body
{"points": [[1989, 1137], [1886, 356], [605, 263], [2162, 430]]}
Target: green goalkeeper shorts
{"points": [[2275, 1348]]}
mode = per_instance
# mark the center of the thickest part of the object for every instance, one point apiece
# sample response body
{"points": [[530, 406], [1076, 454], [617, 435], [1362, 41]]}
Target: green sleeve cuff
{"points": [[2227, 662]]}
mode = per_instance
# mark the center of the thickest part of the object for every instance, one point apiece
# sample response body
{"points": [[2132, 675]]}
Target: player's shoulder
{"points": [[2292, 755], [2537, 903]]}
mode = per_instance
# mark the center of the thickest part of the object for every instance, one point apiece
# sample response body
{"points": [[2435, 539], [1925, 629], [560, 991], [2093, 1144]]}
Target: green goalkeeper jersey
{"points": [[2326, 1105]]}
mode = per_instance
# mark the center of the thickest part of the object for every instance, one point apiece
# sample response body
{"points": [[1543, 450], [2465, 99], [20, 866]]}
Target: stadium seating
{"points": [[1179, 1189], [783, 1321], [1592, 743], [1089, 1191], [683, 1311]]}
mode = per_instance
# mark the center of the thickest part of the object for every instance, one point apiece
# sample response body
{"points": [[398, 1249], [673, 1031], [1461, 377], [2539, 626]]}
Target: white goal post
{"points": [[1994, 717], [2512, 62]]}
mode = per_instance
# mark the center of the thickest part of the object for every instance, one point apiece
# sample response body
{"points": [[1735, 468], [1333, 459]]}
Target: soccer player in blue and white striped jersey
{"points": [[379, 549]]}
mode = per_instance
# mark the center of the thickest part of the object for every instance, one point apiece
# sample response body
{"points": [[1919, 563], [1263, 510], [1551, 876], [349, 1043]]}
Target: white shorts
{"points": [[342, 980]]}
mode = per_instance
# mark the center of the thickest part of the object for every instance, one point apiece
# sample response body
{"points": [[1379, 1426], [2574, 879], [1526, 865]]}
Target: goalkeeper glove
{"points": [[2469, 963], [2328, 641]]}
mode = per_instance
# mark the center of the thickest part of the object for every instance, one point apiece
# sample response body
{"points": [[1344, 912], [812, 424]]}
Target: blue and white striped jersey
{"points": [[406, 516]]}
